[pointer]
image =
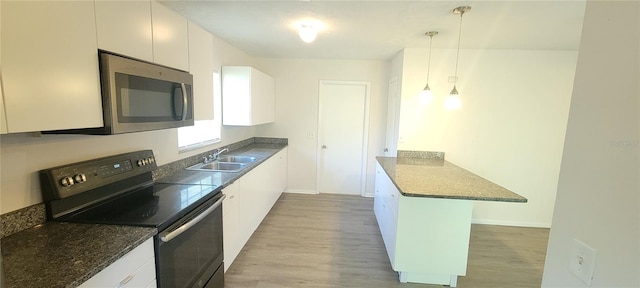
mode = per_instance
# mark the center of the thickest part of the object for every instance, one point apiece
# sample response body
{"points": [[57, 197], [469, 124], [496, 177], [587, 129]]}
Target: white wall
{"points": [[297, 90], [510, 129], [23, 155], [598, 199]]}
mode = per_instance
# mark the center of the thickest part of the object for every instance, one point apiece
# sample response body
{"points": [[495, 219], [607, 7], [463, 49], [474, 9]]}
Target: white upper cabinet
{"points": [[124, 27], [248, 96], [170, 37], [201, 66], [50, 65], [3, 119]]}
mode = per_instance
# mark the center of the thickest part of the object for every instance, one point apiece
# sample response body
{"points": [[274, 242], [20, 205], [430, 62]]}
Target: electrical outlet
{"points": [[582, 261]]}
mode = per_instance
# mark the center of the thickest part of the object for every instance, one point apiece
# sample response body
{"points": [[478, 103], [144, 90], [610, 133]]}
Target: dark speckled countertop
{"points": [[261, 151], [57, 254], [437, 178]]}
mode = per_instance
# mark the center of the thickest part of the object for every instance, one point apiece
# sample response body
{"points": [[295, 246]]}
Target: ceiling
{"points": [[380, 29]]}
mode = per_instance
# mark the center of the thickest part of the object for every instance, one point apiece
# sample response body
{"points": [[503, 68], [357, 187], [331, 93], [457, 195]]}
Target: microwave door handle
{"points": [[184, 101], [166, 237]]}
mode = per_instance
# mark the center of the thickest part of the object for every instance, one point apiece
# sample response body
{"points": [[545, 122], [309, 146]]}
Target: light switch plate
{"points": [[583, 261]]}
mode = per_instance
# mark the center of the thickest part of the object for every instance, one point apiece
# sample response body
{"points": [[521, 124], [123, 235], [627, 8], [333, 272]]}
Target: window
{"points": [[204, 132]]}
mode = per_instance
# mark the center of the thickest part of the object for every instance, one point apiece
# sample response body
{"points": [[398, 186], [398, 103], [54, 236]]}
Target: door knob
{"points": [[324, 146]]}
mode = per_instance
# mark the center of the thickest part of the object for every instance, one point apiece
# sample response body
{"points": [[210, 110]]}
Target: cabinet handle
{"points": [[393, 195], [125, 281], [232, 196]]}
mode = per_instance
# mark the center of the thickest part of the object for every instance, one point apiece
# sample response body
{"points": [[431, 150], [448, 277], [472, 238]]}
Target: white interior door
{"points": [[393, 103], [342, 137]]}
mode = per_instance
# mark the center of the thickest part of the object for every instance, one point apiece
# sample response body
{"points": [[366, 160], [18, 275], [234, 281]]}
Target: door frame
{"points": [[365, 133]]}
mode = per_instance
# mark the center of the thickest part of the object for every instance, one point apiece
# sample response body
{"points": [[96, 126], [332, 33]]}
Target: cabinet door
{"points": [[135, 269], [170, 37], [201, 66], [231, 224], [254, 203], [236, 95], [3, 119], [124, 27], [281, 172], [248, 96], [262, 98], [50, 65], [386, 216]]}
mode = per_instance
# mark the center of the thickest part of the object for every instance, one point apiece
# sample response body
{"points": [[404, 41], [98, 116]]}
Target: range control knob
{"points": [[150, 159], [66, 181], [141, 163], [80, 178]]}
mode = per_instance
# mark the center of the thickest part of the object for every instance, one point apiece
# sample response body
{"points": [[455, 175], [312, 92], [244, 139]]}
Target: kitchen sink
{"points": [[236, 159], [218, 166]]}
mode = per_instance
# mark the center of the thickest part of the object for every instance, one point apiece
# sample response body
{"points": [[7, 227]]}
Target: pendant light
{"points": [[426, 96], [453, 100]]}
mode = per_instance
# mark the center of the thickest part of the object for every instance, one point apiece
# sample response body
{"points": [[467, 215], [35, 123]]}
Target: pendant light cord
{"points": [[429, 61], [458, 53]]}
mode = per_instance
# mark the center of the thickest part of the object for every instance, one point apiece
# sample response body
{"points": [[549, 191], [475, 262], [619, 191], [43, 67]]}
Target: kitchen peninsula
{"points": [[422, 204]]}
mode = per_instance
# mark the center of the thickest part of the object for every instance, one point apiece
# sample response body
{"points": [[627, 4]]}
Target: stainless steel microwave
{"points": [[140, 96]]}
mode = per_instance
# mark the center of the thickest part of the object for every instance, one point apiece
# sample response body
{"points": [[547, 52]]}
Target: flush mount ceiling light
{"points": [[308, 31], [453, 101], [426, 96]]}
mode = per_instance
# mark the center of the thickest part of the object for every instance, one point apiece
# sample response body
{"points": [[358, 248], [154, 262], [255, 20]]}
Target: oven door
{"points": [[189, 252]]}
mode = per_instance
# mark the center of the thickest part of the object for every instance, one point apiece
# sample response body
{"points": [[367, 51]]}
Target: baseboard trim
{"points": [[300, 191], [511, 223]]}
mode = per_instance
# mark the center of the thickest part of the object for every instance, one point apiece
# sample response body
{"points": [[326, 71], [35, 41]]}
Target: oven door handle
{"points": [[166, 237]]}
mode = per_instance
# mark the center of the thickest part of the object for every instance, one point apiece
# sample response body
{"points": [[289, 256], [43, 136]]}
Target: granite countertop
{"points": [[437, 178], [58, 254], [261, 151]]}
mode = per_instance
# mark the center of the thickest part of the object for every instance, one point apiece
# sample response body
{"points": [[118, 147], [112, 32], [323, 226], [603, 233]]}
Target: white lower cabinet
{"points": [[249, 200], [135, 269], [231, 224], [427, 239]]}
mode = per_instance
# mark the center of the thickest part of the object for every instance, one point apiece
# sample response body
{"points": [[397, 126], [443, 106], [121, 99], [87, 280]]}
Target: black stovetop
{"points": [[156, 206]]}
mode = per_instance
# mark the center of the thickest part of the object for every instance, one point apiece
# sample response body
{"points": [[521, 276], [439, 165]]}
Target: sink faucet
{"points": [[220, 151], [214, 156]]}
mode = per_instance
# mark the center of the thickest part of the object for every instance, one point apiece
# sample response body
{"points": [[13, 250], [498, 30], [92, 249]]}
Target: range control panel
{"points": [[68, 180]]}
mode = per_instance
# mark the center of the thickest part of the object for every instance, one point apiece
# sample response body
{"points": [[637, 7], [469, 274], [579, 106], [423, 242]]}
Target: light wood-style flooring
{"points": [[333, 241]]}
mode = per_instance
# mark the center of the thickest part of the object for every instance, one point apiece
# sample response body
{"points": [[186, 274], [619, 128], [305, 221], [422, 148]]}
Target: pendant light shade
{"points": [[453, 101], [426, 96]]}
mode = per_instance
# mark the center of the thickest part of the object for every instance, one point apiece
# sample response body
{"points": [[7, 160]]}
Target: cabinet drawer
{"points": [[135, 269]]}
